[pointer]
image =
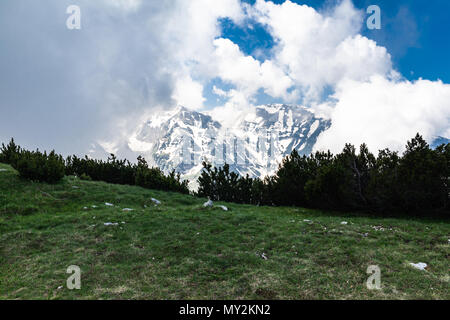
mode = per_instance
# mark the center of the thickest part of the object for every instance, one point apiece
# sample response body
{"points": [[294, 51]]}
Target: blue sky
{"points": [[415, 32]]}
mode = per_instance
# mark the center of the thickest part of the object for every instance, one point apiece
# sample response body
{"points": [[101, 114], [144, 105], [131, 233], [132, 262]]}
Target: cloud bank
{"points": [[65, 89], [386, 113]]}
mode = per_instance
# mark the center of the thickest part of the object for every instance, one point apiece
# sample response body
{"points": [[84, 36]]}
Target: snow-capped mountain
{"points": [[255, 144]]}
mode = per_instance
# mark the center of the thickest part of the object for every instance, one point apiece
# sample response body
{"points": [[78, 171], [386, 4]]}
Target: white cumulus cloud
{"points": [[316, 49], [188, 93], [386, 113]]}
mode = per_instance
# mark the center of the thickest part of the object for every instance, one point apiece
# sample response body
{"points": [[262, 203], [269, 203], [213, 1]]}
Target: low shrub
{"points": [[37, 166], [10, 154], [415, 183], [85, 177], [51, 168]]}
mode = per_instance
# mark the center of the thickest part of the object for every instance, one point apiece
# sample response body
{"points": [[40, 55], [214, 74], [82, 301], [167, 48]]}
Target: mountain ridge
{"points": [[181, 139]]}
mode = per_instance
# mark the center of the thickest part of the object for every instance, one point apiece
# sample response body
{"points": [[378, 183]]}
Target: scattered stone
{"points": [[127, 209], [420, 265], [60, 287], [123, 222], [365, 235], [306, 220], [223, 208], [85, 208], [155, 201], [111, 224], [94, 207], [263, 255], [378, 228], [344, 223], [109, 204], [208, 203]]}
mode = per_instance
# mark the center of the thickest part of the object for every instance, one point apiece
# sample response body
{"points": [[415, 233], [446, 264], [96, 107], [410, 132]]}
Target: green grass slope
{"points": [[180, 250]]}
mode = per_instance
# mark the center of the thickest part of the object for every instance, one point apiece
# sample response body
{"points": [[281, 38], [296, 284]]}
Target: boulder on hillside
{"points": [[208, 203]]}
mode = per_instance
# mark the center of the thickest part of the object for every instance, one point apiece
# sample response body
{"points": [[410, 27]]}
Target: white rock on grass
{"points": [[111, 224], [85, 208], [263, 255], [109, 204], [344, 223], [208, 203], [223, 208], [94, 207], [420, 265], [155, 201], [306, 220], [127, 209]]}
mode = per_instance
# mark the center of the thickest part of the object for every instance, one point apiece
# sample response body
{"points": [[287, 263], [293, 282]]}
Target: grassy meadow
{"points": [[181, 250]]}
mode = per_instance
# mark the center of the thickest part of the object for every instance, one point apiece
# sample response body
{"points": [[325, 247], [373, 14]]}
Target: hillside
{"points": [[181, 250]]}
